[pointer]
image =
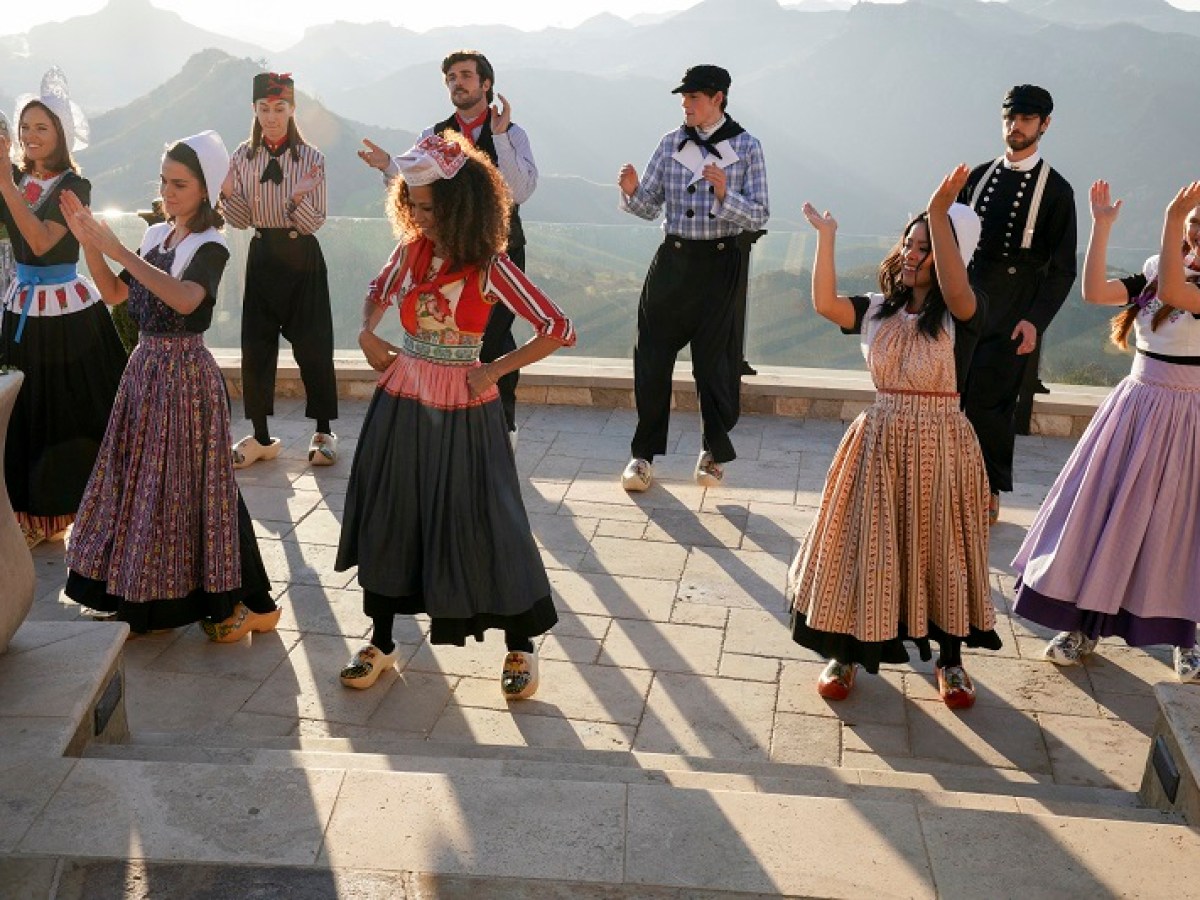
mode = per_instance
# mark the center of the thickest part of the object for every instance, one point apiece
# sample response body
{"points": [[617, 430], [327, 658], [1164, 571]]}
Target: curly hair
{"points": [[471, 209]]}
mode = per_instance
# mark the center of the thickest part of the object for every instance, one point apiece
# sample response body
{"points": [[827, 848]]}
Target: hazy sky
{"points": [[278, 24]]}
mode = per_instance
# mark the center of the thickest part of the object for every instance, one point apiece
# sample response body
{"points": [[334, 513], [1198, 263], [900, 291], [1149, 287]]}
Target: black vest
{"points": [[516, 234]]}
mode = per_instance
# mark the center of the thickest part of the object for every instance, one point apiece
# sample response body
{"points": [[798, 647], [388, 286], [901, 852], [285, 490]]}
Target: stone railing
{"points": [[608, 384]]}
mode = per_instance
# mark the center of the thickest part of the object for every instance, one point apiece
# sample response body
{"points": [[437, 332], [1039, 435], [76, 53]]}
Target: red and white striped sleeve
{"points": [[379, 290], [507, 284]]}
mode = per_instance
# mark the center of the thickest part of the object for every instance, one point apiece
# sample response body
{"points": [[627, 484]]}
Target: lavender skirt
{"points": [[1115, 548]]}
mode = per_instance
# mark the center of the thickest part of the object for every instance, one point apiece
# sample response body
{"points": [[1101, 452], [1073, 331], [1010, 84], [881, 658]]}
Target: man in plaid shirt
{"points": [[710, 175]]}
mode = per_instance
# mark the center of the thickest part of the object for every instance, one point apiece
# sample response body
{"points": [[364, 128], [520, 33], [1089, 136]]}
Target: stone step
{"points": [[654, 835], [988, 789], [42, 876]]}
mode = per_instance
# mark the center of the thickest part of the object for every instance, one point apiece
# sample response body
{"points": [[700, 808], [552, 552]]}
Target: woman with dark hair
{"points": [[55, 328], [1112, 551], [434, 518], [899, 548], [163, 538], [276, 186]]}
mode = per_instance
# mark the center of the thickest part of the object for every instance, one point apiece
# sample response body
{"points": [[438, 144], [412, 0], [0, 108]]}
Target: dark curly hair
{"points": [[471, 209]]}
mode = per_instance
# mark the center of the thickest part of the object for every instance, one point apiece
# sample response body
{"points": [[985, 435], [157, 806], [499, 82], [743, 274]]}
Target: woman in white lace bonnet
{"points": [[55, 328]]}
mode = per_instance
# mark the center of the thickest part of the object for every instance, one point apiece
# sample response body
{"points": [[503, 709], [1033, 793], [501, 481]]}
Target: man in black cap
{"points": [[1025, 265], [711, 177]]}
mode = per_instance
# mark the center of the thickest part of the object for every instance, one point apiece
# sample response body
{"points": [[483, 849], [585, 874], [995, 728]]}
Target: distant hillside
{"points": [[111, 56], [212, 91], [860, 107], [1157, 15]]}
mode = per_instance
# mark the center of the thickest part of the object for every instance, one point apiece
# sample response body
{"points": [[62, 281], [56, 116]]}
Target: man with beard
{"points": [[469, 81], [708, 177], [1025, 265]]}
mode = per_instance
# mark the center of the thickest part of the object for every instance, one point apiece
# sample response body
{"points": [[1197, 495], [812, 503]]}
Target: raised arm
{"points": [[40, 236], [1097, 287], [951, 270], [514, 155], [1173, 287], [825, 298]]}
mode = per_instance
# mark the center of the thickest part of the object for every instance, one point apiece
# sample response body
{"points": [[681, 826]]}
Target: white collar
{"points": [[706, 133], [1023, 165]]}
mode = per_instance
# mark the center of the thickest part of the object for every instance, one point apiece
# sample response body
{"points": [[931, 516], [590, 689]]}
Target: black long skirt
{"points": [[434, 518], [72, 365]]}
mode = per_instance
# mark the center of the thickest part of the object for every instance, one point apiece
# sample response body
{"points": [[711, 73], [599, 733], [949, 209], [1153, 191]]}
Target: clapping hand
{"points": [[6, 166], [501, 115], [88, 230], [627, 179], [311, 179]]}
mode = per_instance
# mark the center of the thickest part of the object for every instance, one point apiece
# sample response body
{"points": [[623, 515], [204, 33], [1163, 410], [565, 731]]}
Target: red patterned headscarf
{"points": [[431, 159], [274, 86]]}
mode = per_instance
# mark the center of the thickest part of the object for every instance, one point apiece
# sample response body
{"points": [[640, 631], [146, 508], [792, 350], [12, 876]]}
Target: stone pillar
{"points": [[16, 565]]}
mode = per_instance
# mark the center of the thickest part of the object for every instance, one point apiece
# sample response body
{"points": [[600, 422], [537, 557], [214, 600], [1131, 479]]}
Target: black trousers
{"points": [[287, 293], [688, 299], [997, 371], [498, 340]]}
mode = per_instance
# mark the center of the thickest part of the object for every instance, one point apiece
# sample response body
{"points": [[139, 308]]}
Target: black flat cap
{"points": [[704, 78], [1028, 99]]}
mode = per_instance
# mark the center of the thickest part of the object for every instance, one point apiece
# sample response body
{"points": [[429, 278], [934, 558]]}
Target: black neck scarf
{"points": [[273, 171], [730, 129]]}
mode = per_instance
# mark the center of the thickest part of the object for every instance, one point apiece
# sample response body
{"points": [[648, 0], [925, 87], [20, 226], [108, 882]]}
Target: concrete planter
{"points": [[16, 565]]}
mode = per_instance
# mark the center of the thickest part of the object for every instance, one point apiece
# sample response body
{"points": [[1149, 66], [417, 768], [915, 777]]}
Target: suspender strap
{"points": [[983, 180], [1034, 205]]}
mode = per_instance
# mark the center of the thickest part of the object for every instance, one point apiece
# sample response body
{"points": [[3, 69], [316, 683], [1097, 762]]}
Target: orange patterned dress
{"points": [[899, 549]]}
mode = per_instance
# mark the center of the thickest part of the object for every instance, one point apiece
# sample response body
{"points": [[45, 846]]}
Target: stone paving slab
{"points": [[466, 826], [742, 846], [673, 636], [1058, 857], [122, 808]]}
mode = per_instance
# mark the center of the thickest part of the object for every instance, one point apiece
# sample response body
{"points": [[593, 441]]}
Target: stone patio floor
{"points": [[673, 635]]}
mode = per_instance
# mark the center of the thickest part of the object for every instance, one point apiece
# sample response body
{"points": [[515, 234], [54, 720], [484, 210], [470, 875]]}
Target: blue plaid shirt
{"points": [[693, 211]]}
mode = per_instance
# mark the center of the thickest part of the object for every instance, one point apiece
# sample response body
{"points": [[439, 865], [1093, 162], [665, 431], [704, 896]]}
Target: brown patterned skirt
{"points": [[899, 549]]}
